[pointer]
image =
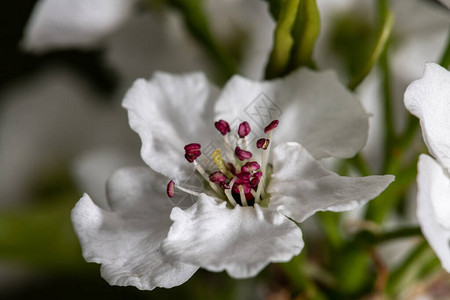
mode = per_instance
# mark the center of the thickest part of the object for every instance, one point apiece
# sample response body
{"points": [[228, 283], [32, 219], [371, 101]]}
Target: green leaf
{"points": [[380, 45]]}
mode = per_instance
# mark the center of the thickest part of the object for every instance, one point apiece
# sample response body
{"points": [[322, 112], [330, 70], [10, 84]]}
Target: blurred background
{"points": [[64, 69]]}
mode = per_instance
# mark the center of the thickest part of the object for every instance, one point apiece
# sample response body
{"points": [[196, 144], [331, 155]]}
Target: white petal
{"points": [[429, 99], [241, 241], [433, 207], [67, 23], [313, 108], [127, 238], [301, 186], [169, 112]]}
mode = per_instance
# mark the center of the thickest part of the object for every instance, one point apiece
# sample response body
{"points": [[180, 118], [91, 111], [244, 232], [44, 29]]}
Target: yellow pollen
{"points": [[218, 160]]}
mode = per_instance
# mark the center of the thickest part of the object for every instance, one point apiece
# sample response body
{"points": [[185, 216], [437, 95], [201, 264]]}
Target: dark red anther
{"points": [[171, 189], [254, 182], [217, 177], [256, 179], [225, 185], [244, 129], [250, 166], [262, 143], [222, 126], [245, 186], [271, 126], [192, 152], [242, 154], [244, 176], [192, 147]]}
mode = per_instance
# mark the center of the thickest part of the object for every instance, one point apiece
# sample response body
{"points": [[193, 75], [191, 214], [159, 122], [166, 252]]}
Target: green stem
{"points": [[396, 234], [330, 224], [305, 32], [410, 269], [282, 39], [388, 113], [369, 239], [380, 45]]}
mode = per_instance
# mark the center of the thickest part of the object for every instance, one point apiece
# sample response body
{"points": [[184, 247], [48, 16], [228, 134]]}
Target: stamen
{"points": [[255, 181], [224, 185], [242, 154], [244, 129], [222, 126], [265, 158], [188, 191], [229, 195], [262, 143], [271, 126], [250, 166], [228, 151], [259, 190], [242, 194], [170, 189], [206, 177], [218, 160], [217, 177], [192, 152]]}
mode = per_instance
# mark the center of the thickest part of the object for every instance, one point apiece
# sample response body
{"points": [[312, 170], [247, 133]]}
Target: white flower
{"points": [[429, 99], [241, 219], [67, 23]]}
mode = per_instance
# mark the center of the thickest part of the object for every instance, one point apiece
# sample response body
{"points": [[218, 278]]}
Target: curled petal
{"points": [[301, 186], [433, 207], [241, 241], [126, 239], [429, 99]]}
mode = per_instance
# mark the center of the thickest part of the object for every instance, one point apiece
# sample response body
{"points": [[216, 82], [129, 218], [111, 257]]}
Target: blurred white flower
{"points": [[429, 99], [242, 220], [60, 24], [46, 121]]}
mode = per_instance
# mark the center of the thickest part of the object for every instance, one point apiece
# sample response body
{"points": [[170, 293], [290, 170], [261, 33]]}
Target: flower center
{"points": [[239, 179]]}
